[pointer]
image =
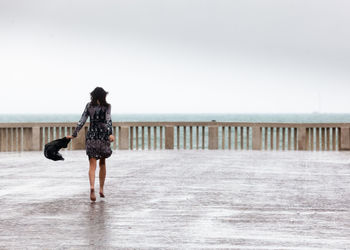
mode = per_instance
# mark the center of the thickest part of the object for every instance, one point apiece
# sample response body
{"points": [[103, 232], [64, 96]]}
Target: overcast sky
{"points": [[180, 56]]}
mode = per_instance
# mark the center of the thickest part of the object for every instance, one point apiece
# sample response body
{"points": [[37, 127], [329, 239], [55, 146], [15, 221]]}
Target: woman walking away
{"points": [[99, 136]]}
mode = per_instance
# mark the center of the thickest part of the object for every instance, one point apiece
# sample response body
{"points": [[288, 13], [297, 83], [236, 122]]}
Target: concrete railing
{"points": [[186, 135]]}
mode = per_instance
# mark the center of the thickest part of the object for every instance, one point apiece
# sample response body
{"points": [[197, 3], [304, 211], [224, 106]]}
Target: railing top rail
{"points": [[178, 123]]}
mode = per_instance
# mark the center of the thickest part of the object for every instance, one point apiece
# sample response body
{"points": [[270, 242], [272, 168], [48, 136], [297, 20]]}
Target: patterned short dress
{"points": [[97, 142]]}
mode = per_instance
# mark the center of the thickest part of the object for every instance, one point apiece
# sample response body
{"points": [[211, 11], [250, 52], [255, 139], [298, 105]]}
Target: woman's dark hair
{"points": [[99, 94]]}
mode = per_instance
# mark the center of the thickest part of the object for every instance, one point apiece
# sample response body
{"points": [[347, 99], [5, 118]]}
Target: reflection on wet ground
{"points": [[178, 199]]}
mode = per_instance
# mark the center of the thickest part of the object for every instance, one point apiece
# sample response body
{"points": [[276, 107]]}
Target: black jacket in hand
{"points": [[52, 148]]}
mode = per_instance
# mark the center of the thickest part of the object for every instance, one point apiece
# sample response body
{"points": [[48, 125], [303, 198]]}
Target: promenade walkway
{"points": [[178, 199]]}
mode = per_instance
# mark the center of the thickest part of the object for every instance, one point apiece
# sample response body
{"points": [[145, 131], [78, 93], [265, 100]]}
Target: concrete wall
{"points": [[186, 135]]}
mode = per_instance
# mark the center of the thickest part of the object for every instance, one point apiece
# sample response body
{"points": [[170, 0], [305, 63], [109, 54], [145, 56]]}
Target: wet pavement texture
{"points": [[177, 199]]}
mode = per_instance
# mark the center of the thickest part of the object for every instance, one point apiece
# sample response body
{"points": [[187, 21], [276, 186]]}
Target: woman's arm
{"points": [[82, 121], [109, 120], [109, 124]]}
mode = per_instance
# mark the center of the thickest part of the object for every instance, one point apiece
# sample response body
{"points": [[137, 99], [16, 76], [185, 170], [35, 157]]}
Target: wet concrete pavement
{"points": [[178, 199]]}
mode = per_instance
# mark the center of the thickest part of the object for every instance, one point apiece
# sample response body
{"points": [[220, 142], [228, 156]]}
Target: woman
{"points": [[98, 137]]}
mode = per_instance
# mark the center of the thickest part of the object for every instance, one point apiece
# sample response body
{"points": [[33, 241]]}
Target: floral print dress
{"points": [[97, 142]]}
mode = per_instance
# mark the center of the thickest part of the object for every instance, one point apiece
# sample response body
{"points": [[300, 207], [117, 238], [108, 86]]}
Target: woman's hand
{"points": [[111, 138], [70, 137]]}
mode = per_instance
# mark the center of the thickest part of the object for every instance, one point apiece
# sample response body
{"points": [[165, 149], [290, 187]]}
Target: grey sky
{"points": [[175, 56]]}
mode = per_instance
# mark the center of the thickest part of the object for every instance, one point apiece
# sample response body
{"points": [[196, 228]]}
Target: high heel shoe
{"points": [[102, 195], [92, 194]]}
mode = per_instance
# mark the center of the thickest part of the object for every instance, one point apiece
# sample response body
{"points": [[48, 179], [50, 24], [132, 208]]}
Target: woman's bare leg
{"points": [[92, 170], [102, 174]]}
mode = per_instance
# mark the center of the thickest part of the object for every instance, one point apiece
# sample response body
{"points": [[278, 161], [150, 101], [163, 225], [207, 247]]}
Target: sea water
{"points": [[219, 117]]}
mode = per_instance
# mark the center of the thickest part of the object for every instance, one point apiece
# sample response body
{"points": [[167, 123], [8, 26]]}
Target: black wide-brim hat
{"points": [[51, 149]]}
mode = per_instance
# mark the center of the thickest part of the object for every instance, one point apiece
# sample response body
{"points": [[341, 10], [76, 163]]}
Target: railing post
{"points": [[123, 138], [169, 137], [3, 144], [301, 138], [31, 141], [344, 139], [79, 142], [213, 137], [256, 137], [36, 138]]}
